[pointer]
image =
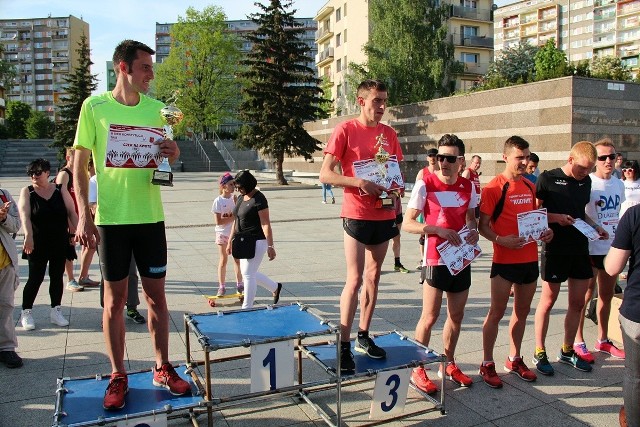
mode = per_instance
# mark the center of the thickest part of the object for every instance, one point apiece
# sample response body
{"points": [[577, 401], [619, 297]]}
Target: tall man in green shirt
{"points": [[129, 217]]}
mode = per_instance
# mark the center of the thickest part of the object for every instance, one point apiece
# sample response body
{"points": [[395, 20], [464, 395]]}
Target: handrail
{"points": [[224, 152], [203, 154]]}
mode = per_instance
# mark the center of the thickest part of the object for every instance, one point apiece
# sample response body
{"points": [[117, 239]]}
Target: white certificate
{"points": [[372, 171], [133, 147], [532, 224], [456, 258], [586, 229]]}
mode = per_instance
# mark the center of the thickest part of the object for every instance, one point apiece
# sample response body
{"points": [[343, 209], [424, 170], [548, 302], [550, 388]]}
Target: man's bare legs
{"points": [[364, 263], [548, 298], [523, 295], [577, 290], [115, 296], [606, 289], [431, 304], [456, 302]]}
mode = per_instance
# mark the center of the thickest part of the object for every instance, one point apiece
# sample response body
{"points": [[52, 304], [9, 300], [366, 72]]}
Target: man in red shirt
{"points": [[472, 174], [367, 227], [515, 261], [447, 202]]}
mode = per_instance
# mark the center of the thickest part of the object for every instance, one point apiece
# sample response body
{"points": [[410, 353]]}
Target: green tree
{"points": [[39, 126], [409, 49], [16, 118], [201, 67], [551, 62], [609, 67], [79, 85], [281, 91], [514, 65], [7, 71]]}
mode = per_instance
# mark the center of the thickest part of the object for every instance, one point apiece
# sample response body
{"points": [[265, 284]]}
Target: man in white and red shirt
{"points": [[368, 227], [472, 174], [447, 202]]}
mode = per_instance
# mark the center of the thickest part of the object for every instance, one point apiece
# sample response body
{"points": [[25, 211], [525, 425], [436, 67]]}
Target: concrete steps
{"points": [[16, 154]]}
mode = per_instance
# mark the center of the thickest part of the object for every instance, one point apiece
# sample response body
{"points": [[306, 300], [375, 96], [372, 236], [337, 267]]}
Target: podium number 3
{"points": [[394, 382]]}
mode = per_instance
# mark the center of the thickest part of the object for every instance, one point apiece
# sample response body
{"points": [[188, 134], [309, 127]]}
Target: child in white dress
{"points": [[222, 210]]}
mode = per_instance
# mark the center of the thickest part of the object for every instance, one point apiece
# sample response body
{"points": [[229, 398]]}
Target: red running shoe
{"points": [[520, 369], [583, 352], [168, 378], [455, 374], [116, 390], [609, 348], [420, 379], [489, 375]]}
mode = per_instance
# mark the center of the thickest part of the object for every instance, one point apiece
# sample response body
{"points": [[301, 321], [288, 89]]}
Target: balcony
{"points": [[602, 3], [631, 51], [470, 13], [59, 59], [477, 41], [604, 42], [478, 68], [322, 34], [323, 13], [324, 57], [604, 15]]}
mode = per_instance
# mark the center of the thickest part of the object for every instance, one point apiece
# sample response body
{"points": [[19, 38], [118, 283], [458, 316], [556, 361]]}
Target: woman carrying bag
{"points": [[252, 238]]}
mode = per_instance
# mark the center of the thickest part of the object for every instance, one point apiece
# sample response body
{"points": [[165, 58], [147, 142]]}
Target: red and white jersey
{"points": [[474, 177], [442, 205]]}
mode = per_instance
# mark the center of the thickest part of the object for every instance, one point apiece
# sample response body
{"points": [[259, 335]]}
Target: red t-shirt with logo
{"points": [[442, 205], [352, 141], [520, 197]]}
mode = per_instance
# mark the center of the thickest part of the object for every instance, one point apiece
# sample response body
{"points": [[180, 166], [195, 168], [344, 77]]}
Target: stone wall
{"points": [[552, 115]]}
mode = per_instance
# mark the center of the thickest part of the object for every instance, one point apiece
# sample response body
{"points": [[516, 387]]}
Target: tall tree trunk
{"points": [[279, 173]]}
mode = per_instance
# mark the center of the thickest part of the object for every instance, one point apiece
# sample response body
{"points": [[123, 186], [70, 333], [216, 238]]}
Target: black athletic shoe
{"points": [[367, 346], [347, 364]]}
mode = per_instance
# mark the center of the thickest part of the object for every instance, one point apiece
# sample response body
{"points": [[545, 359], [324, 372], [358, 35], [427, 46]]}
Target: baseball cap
{"points": [[432, 152], [226, 178]]}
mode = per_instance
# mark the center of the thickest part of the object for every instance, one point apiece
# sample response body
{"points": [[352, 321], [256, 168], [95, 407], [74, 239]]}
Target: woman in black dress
{"points": [[48, 220]]}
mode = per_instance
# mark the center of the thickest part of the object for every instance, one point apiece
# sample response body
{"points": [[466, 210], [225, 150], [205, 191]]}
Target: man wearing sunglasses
{"points": [[565, 192], [447, 202], [607, 195], [367, 227]]}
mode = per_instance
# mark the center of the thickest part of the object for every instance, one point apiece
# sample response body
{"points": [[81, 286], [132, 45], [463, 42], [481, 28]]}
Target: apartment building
{"points": [[344, 28], [581, 28], [239, 27], [44, 52]]}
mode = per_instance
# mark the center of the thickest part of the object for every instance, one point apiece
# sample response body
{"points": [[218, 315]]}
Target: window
{"points": [[338, 40], [338, 14], [344, 36], [469, 57], [471, 4], [339, 90], [344, 10], [469, 31], [339, 65]]}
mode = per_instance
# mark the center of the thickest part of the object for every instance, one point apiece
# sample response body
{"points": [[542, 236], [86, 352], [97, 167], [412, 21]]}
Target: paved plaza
{"points": [[310, 263]]}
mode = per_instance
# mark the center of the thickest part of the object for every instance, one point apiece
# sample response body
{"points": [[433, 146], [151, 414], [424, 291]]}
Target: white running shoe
{"points": [[27, 320], [57, 318]]}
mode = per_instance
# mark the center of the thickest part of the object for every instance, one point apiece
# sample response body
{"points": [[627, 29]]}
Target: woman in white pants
{"points": [[252, 218]]}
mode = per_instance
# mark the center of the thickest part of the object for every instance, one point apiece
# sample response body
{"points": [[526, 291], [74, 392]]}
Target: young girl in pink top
{"points": [[222, 210]]}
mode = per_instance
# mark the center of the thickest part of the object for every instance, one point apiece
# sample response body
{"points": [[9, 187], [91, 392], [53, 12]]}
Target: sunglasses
{"points": [[36, 173], [451, 159], [627, 170], [609, 156]]}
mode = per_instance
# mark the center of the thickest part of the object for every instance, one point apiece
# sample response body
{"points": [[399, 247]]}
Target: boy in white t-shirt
{"points": [[222, 210]]}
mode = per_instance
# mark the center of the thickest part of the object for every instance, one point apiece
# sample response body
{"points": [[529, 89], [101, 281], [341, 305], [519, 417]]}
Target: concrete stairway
{"points": [[192, 161], [16, 154]]}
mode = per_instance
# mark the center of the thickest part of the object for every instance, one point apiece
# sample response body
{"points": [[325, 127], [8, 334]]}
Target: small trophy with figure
{"points": [[171, 115], [381, 158]]}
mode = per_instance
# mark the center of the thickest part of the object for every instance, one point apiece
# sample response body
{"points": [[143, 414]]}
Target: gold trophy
{"points": [[381, 158], [171, 115]]}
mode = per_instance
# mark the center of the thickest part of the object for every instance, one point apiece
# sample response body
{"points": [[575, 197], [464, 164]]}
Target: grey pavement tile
{"points": [[596, 408], [541, 415], [28, 412]]}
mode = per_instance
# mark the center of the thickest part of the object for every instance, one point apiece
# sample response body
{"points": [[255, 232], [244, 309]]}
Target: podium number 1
{"points": [[271, 361], [272, 365]]}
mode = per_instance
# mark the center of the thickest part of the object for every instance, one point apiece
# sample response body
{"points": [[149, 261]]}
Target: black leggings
{"points": [[37, 269]]}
